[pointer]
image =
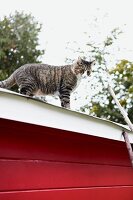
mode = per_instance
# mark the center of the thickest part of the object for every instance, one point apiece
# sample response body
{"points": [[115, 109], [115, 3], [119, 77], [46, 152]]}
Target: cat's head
{"points": [[83, 65]]}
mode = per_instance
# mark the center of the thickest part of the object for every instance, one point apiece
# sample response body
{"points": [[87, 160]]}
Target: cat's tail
{"points": [[8, 83]]}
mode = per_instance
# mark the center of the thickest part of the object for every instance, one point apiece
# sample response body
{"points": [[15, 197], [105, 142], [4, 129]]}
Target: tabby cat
{"points": [[44, 79]]}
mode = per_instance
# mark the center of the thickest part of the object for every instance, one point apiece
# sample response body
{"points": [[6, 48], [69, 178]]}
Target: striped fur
{"points": [[43, 79]]}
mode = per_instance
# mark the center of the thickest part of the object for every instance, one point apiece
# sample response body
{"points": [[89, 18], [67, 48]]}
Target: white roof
{"points": [[18, 107]]}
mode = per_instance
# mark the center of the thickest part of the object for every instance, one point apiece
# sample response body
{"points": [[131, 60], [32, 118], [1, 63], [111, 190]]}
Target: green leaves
{"points": [[123, 88], [18, 42], [102, 104], [113, 36]]}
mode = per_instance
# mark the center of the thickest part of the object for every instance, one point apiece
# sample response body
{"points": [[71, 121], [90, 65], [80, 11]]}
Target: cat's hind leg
{"points": [[27, 90]]}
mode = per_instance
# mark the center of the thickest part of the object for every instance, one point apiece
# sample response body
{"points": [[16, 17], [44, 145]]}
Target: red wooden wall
{"points": [[39, 163]]}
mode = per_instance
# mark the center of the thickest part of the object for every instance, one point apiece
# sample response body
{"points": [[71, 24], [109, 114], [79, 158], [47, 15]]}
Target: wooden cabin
{"points": [[51, 153]]}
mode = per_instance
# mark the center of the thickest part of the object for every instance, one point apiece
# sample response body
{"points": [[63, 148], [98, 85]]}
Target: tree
{"points": [[102, 104], [122, 76], [18, 42], [101, 51]]}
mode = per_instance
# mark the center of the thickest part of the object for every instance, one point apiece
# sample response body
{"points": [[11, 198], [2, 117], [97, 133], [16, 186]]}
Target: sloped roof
{"points": [[18, 107]]}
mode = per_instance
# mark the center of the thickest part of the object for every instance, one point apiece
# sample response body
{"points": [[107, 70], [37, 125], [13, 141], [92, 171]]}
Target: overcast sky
{"points": [[66, 21]]}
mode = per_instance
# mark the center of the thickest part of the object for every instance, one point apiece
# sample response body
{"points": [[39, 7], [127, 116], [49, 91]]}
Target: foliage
{"points": [[18, 42], [101, 53], [122, 76], [102, 104]]}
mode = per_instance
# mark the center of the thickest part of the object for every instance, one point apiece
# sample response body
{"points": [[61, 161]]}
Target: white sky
{"points": [[66, 21]]}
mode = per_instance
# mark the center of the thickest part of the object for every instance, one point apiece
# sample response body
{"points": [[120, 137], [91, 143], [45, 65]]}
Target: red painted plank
{"points": [[20, 175], [108, 193], [26, 141]]}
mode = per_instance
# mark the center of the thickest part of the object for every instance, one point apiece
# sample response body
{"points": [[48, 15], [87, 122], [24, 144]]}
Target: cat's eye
{"points": [[88, 73]]}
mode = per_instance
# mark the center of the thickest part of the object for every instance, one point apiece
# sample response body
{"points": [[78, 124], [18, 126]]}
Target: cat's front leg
{"points": [[65, 100]]}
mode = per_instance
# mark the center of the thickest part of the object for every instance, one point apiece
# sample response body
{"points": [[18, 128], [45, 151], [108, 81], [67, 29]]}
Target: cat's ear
{"points": [[93, 62], [79, 58], [79, 61], [90, 66]]}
